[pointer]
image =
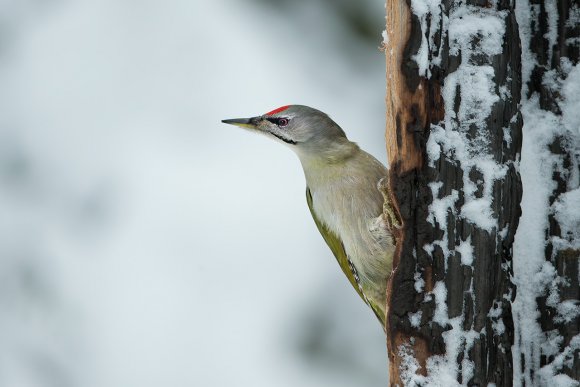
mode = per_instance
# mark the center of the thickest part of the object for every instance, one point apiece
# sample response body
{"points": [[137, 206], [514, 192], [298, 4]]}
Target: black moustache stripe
{"points": [[283, 139]]}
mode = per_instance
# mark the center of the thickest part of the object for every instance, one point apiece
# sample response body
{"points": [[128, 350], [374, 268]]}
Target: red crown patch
{"points": [[280, 109]]}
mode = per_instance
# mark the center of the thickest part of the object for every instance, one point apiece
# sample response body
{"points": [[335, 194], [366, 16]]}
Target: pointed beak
{"points": [[248, 123]]}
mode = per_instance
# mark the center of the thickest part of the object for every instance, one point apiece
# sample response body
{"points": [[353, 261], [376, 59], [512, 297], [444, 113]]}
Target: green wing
{"points": [[335, 245], [337, 249]]}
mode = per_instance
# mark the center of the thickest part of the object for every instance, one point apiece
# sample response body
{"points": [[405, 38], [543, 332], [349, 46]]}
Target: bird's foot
{"points": [[389, 212]]}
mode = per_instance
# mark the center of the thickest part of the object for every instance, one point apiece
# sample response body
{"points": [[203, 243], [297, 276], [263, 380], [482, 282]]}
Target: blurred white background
{"points": [[143, 242]]}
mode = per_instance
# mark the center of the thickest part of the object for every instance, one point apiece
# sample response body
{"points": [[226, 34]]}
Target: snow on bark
{"points": [[547, 245], [470, 93], [450, 310]]}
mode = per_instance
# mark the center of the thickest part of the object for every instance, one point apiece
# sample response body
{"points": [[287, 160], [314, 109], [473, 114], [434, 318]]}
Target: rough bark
{"points": [[554, 44], [448, 317]]}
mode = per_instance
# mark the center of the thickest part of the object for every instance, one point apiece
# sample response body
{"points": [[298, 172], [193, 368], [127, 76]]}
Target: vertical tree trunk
{"points": [[547, 308], [453, 139]]}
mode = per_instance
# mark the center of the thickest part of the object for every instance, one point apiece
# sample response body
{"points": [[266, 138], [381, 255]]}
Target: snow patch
{"points": [[409, 367], [551, 345], [571, 104], [478, 211], [466, 250], [551, 9], [477, 92], [507, 137], [573, 16], [567, 212], [439, 208], [438, 211], [495, 314], [419, 282], [533, 275], [455, 145], [440, 293], [428, 12], [441, 370], [470, 23], [415, 319], [385, 35], [548, 375], [465, 137]]}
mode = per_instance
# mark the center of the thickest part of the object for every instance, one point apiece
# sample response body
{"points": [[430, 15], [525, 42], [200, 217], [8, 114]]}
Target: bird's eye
{"points": [[282, 121]]}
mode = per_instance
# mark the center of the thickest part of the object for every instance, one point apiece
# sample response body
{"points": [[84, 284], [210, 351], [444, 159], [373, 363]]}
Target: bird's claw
{"points": [[389, 213]]}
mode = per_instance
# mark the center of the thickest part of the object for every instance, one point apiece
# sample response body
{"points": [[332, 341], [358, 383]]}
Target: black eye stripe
{"points": [[282, 121]]}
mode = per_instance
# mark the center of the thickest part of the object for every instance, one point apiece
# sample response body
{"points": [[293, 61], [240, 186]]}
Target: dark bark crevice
{"points": [[473, 290]]}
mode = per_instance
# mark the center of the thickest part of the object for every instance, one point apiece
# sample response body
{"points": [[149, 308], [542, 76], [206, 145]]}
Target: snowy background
{"points": [[144, 243]]}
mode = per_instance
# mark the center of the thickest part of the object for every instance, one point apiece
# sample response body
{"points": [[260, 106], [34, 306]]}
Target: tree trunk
{"points": [[453, 138], [547, 308]]}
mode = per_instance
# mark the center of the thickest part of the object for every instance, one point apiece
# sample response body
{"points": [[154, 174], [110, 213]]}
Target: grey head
{"points": [[298, 126]]}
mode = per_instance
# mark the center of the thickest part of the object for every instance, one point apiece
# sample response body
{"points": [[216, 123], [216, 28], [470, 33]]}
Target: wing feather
{"points": [[335, 245], [337, 248]]}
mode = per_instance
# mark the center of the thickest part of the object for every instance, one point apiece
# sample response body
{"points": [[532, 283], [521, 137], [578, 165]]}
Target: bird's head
{"points": [[298, 126]]}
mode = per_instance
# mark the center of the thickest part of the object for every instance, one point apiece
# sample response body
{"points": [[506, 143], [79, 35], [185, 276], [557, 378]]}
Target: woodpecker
{"points": [[346, 192]]}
